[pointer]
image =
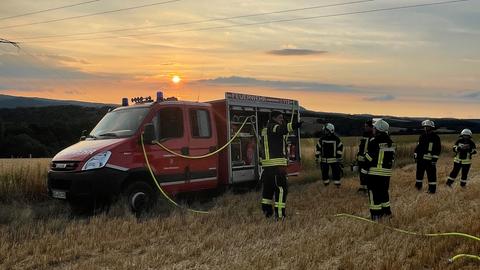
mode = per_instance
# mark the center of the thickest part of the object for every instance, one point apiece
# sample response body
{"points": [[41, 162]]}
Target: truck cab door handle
{"points": [[185, 150]]}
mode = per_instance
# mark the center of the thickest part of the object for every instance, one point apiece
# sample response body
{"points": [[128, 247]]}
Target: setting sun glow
{"points": [[176, 79]]}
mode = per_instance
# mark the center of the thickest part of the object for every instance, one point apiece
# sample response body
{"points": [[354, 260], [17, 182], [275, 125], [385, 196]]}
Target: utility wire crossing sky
{"points": [[389, 57]]}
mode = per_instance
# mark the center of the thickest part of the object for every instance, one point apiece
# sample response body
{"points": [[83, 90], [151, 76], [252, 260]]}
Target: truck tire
{"points": [[141, 197]]}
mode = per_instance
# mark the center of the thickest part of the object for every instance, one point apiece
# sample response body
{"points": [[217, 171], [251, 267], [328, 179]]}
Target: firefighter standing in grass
{"points": [[329, 152], [274, 164], [426, 155], [464, 148], [378, 167], [362, 150]]}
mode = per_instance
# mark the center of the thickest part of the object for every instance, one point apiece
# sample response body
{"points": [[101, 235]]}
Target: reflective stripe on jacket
{"points": [[380, 156], [274, 138]]}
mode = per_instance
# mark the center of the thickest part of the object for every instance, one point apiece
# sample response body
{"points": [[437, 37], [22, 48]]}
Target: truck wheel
{"points": [[140, 196]]}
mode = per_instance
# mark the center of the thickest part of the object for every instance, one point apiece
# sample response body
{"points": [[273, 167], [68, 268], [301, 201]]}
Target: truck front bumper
{"points": [[85, 186]]}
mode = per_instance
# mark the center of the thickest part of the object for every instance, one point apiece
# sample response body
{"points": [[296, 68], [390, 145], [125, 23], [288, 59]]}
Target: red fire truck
{"points": [[109, 162]]}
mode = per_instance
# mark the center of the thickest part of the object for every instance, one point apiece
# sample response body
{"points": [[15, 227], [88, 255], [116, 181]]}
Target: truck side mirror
{"points": [[84, 135], [148, 134]]}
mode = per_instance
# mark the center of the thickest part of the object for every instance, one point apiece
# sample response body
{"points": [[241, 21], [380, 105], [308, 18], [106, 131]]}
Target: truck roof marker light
{"points": [[124, 101], [159, 96]]}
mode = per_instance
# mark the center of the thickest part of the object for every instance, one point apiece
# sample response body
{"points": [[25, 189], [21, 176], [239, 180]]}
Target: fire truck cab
{"points": [[110, 162]]}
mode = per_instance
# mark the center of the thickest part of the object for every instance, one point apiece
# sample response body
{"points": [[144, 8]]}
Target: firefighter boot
{"points": [[418, 184], [450, 182]]}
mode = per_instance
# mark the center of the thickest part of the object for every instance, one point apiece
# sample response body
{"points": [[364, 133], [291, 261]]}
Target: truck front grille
{"points": [[64, 165]]}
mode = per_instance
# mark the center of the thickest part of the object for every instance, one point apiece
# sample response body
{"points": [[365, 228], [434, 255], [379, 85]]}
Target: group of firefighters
{"points": [[375, 160]]}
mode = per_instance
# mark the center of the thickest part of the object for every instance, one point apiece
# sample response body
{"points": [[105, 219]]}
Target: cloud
{"points": [[387, 97], [472, 95], [27, 67], [288, 52], [64, 58], [279, 85]]}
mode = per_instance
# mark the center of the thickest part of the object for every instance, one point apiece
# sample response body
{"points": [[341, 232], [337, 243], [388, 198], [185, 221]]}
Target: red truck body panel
{"points": [[206, 127]]}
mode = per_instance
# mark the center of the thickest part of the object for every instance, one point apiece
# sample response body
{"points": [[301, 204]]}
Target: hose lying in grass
{"points": [[456, 234]]}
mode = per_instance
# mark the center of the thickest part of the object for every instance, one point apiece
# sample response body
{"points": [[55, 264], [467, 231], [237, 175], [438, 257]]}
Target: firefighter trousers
{"points": [[456, 169], [431, 169], [363, 176], [335, 172], [275, 189], [379, 200]]}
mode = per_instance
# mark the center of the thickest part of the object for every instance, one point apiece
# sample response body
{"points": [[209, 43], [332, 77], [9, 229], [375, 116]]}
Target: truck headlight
{"points": [[96, 162]]}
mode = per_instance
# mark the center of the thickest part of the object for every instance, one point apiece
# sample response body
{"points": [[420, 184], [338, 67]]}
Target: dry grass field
{"points": [[36, 233]]}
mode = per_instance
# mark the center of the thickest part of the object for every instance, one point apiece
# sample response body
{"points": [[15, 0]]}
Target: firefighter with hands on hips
{"points": [[362, 150], [274, 163], [329, 152], [464, 148], [426, 155], [378, 167]]}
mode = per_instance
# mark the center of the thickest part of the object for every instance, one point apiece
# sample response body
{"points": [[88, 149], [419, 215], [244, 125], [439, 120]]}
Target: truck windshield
{"points": [[121, 123]]}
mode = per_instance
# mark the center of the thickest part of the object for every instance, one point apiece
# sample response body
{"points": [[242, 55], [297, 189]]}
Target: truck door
{"points": [[172, 170], [202, 140]]}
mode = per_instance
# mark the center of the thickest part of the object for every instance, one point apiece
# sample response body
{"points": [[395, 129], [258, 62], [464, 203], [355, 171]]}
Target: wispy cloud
{"points": [[471, 95], [64, 58], [279, 85], [25, 67], [289, 52], [386, 97]]}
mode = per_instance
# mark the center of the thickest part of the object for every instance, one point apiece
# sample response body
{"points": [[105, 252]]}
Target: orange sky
{"points": [[409, 62]]}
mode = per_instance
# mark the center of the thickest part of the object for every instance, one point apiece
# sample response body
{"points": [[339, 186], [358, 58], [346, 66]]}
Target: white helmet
{"points": [[330, 127], [381, 125], [466, 132], [428, 123]]}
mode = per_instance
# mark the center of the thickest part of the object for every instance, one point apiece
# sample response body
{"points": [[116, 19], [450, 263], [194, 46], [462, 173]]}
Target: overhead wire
{"points": [[201, 21], [47, 10], [90, 15], [266, 22]]}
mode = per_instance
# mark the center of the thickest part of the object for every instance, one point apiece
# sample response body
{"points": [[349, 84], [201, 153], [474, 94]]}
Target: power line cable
{"points": [[268, 22], [201, 21], [6, 41], [47, 10], [90, 15]]}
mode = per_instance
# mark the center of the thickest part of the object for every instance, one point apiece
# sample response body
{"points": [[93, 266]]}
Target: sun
{"points": [[176, 79]]}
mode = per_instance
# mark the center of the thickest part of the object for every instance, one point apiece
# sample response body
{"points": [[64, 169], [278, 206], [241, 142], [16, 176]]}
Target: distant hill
{"points": [[42, 127], [352, 124], [16, 102]]}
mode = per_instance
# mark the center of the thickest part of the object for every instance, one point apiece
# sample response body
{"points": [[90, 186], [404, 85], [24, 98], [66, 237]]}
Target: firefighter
{"points": [[362, 150], [378, 166], [464, 149], [329, 152], [274, 164], [426, 155]]}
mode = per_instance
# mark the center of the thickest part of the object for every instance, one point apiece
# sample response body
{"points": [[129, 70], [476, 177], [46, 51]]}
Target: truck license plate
{"points": [[59, 194]]}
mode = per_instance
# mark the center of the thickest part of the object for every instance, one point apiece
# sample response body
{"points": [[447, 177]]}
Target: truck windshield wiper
{"points": [[110, 134], [91, 136]]}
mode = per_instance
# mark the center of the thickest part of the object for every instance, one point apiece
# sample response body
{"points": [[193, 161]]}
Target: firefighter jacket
{"points": [[380, 156], [329, 149], [274, 140], [464, 148], [429, 147], [363, 147]]}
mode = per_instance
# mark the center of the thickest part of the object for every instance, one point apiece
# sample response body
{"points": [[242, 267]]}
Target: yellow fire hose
{"points": [[183, 156], [190, 157], [456, 234], [209, 154]]}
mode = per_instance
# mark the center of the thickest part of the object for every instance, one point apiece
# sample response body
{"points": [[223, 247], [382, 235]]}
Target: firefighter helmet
{"points": [[330, 127], [428, 123], [466, 132], [381, 125]]}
